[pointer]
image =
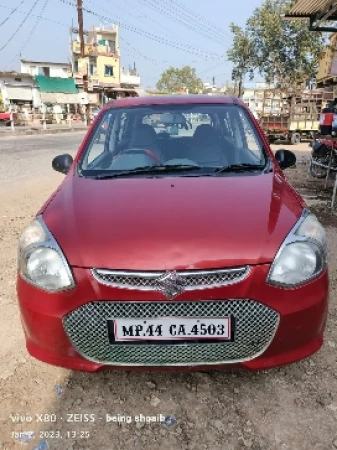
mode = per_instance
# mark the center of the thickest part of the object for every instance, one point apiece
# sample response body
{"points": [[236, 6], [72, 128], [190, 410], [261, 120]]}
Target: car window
{"points": [[232, 129], [176, 124], [250, 136], [98, 140], [207, 135]]}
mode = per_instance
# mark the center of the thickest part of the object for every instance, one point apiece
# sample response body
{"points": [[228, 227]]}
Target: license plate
{"points": [[173, 328]]}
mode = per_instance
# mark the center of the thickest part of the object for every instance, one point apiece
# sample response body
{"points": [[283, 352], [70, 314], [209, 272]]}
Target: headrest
{"points": [[205, 135], [143, 135]]}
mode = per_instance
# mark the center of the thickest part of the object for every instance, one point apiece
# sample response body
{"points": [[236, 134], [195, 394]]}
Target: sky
{"points": [[154, 34]]}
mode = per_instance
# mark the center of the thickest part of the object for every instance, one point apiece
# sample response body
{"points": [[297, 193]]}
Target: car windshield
{"points": [[173, 138]]}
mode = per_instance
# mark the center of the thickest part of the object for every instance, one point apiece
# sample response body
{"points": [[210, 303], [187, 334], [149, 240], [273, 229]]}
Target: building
{"points": [[46, 69], [32, 95], [18, 90], [101, 63], [56, 87], [129, 78], [209, 88]]}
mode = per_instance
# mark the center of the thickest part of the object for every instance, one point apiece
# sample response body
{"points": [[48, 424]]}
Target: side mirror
{"points": [[285, 158], [62, 163]]}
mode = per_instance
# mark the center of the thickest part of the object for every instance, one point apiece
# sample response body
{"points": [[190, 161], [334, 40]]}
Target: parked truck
{"points": [[291, 117]]}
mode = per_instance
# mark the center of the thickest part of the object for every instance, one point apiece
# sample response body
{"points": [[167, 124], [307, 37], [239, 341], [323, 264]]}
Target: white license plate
{"points": [[172, 328]]}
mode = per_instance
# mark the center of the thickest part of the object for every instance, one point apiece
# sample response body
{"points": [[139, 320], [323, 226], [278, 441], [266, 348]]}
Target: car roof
{"points": [[174, 100]]}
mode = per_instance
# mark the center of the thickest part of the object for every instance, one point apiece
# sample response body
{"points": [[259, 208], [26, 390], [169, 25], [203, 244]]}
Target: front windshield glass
{"points": [[206, 136]]}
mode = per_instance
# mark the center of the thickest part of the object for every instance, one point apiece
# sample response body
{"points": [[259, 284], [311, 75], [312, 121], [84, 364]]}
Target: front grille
{"points": [[193, 280], [255, 327]]}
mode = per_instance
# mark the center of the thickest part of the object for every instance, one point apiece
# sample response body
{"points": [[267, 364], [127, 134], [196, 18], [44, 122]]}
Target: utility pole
{"points": [[81, 36]]}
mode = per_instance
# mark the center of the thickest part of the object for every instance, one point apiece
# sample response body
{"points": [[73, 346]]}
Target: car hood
{"points": [[172, 223]]}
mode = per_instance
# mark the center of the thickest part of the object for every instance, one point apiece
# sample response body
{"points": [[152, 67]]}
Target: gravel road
{"points": [[291, 408]]}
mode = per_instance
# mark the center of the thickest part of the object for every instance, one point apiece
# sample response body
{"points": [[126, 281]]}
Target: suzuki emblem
{"points": [[170, 284]]}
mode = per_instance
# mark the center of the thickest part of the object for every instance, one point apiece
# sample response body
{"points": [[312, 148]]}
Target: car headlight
{"points": [[302, 256], [41, 261]]}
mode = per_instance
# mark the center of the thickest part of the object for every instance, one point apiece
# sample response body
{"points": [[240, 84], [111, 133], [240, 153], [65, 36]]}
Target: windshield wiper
{"points": [[240, 168], [149, 169]]}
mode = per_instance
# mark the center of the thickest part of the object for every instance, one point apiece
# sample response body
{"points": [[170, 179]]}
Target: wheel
{"points": [[295, 138], [317, 171]]}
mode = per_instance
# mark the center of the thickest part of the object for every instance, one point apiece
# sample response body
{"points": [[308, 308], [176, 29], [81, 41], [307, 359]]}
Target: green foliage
{"points": [[241, 55], [284, 51], [174, 79]]}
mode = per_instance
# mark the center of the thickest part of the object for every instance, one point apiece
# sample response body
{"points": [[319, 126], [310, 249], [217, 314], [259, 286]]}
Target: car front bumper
{"points": [[274, 326]]}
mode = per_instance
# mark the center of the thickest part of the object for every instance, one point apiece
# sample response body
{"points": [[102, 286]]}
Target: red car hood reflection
{"points": [[172, 223]]}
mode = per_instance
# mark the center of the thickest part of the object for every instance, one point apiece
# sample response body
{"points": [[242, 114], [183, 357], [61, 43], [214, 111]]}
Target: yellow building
{"points": [[102, 59]]}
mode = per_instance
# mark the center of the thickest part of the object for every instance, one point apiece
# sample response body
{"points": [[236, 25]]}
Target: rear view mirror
{"points": [[62, 163], [285, 158]]}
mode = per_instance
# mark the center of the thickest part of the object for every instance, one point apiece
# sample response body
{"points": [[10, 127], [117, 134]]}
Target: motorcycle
{"points": [[320, 158]]}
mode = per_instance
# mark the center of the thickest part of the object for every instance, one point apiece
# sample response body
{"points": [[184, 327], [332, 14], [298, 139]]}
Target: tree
{"points": [[285, 52], [174, 79], [241, 54]]}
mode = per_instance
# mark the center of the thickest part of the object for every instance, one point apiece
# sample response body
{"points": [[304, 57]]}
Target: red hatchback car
{"points": [[180, 247]]}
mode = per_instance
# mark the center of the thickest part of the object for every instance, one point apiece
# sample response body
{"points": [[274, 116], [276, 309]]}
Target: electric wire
{"points": [[34, 15], [154, 23], [38, 19], [11, 13], [201, 19], [219, 64], [153, 61], [136, 52], [213, 67], [46, 19], [20, 26], [198, 28], [176, 19], [186, 48]]}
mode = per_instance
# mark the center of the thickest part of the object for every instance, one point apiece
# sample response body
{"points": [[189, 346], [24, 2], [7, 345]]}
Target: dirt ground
{"points": [[291, 408]]}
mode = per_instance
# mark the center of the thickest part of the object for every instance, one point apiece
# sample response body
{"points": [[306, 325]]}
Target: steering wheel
{"points": [[137, 151]]}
